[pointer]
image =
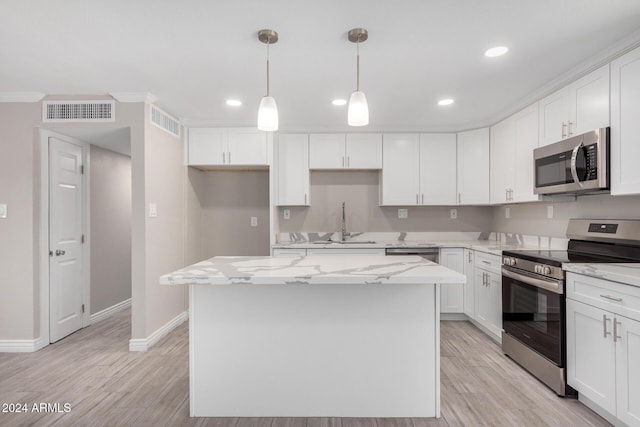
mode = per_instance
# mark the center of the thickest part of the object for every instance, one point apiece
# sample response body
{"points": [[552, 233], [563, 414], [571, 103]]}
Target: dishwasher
{"points": [[431, 254]]}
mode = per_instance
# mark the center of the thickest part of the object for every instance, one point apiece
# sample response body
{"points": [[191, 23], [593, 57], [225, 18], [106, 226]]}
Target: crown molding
{"points": [[146, 97], [21, 96]]}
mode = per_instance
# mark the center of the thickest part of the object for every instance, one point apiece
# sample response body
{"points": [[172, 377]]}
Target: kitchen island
{"points": [[343, 336]]}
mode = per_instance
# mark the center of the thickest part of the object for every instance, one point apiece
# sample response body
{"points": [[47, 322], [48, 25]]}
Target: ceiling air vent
{"points": [[78, 111], [165, 121]]}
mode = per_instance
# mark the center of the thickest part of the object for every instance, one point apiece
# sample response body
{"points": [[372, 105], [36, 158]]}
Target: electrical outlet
{"points": [[254, 221], [507, 213], [153, 210], [286, 214], [403, 213], [549, 212], [3, 210], [454, 213]]}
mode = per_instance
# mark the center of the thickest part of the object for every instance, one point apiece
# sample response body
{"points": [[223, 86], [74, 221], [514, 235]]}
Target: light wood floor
{"points": [[107, 385]]}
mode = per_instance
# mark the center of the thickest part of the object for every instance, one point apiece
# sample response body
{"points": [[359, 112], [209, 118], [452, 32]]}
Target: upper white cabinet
{"points": [[580, 107], [512, 143], [419, 169], [293, 170], [473, 167], [625, 124], [227, 147], [350, 151]]}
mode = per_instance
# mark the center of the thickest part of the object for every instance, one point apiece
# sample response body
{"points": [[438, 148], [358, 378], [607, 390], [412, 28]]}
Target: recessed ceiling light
{"points": [[339, 102], [234, 102], [447, 101], [496, 51]]}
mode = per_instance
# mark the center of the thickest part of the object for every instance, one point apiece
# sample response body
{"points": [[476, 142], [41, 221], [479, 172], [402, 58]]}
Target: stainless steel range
{"points": [[533, 294]]}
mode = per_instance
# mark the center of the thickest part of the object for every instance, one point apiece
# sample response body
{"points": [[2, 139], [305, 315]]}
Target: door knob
{"points": [[60, 252]]}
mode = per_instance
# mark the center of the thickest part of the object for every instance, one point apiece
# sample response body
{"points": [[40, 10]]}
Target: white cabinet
{"points": [[227, 147], [603, 344], [340, 151], [488, 293], [293, 170], [512, 143], [419, 169], [289, 252], [452, 294], [625, 126], [473, 167], [578, 108], [469, 287]]}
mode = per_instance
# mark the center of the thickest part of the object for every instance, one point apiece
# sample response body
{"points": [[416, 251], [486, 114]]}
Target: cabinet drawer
{"points": [[491, 263], [615, 297]]}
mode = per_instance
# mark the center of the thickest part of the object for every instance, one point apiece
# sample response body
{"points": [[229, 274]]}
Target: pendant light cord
{"points": [[268, 40], [358, 65]]}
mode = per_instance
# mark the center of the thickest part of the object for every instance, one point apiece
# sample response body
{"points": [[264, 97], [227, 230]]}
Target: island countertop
{"points": [[313, 270]]}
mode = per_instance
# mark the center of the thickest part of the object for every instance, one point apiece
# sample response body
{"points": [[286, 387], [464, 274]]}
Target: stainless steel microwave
{"points": [[579, 164]]}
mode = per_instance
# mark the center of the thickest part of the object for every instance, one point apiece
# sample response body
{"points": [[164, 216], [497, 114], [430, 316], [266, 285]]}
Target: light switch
{"points": [[403, 213], [454, 213], [254, 221], [153, 210], [286, 214], [549, 212], [3, 210]]}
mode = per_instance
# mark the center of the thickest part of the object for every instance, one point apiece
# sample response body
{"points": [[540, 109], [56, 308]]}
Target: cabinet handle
{"points": [[305, 198], [611, 298], [604, 326], [564, 133], [459, 197], [470, 256], [511, 194], [616, 337], [417, 200], [423, 199], [229, 157], [342, 161], [348, 161], [224, 157], [569, 128]]}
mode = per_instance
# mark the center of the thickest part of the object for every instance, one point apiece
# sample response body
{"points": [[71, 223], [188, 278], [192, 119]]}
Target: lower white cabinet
{"points": [[603, 346], [469, 287], [452, 294], [488, 293]]}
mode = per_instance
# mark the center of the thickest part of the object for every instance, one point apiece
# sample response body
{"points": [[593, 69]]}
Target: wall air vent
{"points": [[165, 121], [78, 111]]}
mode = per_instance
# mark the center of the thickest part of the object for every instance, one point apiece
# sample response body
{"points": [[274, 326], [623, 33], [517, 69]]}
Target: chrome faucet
{"points": [[345, 234]]}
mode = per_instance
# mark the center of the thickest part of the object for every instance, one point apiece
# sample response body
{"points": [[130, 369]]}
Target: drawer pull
{"points": [[488, 262], [611, 298]]}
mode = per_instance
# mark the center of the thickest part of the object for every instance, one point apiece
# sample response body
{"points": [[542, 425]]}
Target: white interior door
{"points": [[66, 204]]}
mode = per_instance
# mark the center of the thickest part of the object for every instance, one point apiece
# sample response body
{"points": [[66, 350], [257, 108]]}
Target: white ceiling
{"points": [[195, 54]]}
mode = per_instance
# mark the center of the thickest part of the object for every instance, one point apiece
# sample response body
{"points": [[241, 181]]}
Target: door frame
{"points": [[44, 244]]}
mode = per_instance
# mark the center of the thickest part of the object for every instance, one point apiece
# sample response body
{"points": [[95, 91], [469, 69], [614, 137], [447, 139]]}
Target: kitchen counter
{"points": [[623, 273], [315, 336]]}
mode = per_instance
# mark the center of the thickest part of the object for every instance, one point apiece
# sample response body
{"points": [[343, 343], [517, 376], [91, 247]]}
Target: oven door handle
{"points": [[555, 286], [574, 170]]}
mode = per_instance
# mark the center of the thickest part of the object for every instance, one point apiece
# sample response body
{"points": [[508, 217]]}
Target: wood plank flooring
{"points": [[106, 385]]}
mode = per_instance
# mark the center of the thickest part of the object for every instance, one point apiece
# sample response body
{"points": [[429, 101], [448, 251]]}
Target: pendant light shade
{"points": [[268, 110], [358, 112], [268, 114]]}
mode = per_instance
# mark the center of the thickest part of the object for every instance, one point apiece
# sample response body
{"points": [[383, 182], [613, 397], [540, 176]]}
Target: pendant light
{"points": [[268, 110], [358, 112]]}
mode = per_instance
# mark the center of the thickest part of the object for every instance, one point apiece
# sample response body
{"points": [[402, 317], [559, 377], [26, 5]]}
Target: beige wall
{"points": [[531, 218], [360, 189], [219, 206], [110, 218]]}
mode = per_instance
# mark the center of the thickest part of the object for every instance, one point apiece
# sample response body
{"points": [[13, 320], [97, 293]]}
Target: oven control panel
{"points": [[510, 261], [543, 269]]}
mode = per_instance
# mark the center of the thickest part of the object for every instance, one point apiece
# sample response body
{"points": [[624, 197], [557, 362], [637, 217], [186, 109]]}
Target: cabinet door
{"points": [[438, 169], [452, 294], [625, 126], [473, 167], [591, 356], [207, 146], [628, 370], [494, 281], [247, 146], [469, 290], [400, 169], [554, 116], [525, 125], [326, 151], [364, 151], [502, 157], [293, 169], [483, 298], [589, 102]]}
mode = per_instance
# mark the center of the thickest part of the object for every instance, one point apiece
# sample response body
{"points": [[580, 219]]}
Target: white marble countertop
{"points": [[313, 270], [622, 273]]}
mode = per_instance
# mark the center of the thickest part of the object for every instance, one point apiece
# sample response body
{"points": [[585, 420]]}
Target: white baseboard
{"points": [[21, 346], [110, 311], [143, 344]]}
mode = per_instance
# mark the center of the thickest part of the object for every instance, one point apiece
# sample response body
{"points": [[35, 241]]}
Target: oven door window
{"points": [[534, 316]]}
